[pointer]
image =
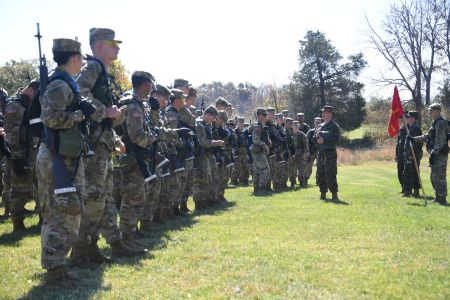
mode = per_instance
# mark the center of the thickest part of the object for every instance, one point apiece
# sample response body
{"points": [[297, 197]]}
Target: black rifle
{"points": [[62, 181]]}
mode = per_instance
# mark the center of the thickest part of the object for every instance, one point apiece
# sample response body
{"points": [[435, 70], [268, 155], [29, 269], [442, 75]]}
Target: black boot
{"points": [[157, 216], [334, 196], [416, 193], [323, 196], [176, 211], [18, 225]]}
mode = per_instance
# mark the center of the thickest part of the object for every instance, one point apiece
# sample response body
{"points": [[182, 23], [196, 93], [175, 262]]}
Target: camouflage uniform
{"points": [[410, 177], [283, 159], [61, 212], [133, 187], [240, 170], [23, 154], [187, 119], [261, 169], [327, 156], [100, 213], [301, 151], [291, 162], [275, 155], [399, 150]]}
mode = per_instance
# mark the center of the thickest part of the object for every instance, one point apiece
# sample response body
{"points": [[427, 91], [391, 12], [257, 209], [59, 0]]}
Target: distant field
{"points": [[358, 133], [373, 244]]}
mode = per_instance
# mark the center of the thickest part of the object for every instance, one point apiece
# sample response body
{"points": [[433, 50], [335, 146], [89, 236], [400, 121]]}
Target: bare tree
{"points": [[408, 42]]}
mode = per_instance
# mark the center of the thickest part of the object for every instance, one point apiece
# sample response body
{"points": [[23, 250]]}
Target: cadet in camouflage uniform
{"points": [[260, 150], [327, 136], [23, 152], [312, 149], [4, 159], [138, 138], [410, 176], [226, 163], [399, 150], [240, 171], [187, 119], [203, 180], [100, 213], [282, 154], [61, 210], [301, 153], [292, 170], [175, 185], [437, 146], [301, 123]]}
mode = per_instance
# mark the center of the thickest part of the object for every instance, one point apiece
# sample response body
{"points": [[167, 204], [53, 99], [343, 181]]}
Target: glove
{"points": [[154, 103], [87, 108], [183, 132], [19, 166], [432, 158]]}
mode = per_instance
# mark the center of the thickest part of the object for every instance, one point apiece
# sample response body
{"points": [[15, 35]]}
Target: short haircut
{"points": [[138, 81], [61, 58]]}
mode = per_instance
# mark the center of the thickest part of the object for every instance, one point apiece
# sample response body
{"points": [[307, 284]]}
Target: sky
{"points": [[199, 40]]}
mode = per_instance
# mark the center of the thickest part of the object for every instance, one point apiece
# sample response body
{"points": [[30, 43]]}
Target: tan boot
{"points": [[79, 258], [119, 249], [94, 254], [57, 277], [128, 240]]}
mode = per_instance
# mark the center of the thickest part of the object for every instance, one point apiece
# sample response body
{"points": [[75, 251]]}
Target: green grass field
{"points": [[372, 244]]}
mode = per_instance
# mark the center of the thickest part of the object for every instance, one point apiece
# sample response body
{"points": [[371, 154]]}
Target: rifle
{"points": [[62, 182]]}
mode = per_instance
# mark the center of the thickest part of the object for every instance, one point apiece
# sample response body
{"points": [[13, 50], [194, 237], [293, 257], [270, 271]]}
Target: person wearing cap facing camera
{"points": [[301, 123], [260, 151], [203, 177], [100, 212], [138, 138], [410, 177], [327, 136], [62, 111], [437, 147], [23, 149]]}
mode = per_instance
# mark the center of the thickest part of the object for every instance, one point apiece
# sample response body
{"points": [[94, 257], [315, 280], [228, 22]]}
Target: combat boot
{"points": [[416, 193], [7, 212], [441, 200], [146, 226], [407, 192], [94, 254], [157, 216], [119, 249], [334, 196], [128, 241], [18, 225], [306, 182], [80, 259], [184, 208], [292, 184], [57, 277], [323, 196], [255, 190], [176, 211], [170, 212]]}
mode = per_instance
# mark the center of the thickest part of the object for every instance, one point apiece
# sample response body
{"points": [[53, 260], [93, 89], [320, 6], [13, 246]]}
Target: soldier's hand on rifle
{"points": [[113, 112], [410, 139]]}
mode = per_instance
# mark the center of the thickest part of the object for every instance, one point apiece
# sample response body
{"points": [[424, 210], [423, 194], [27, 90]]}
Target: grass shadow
{"points": [[13, 238], [336, 201]]}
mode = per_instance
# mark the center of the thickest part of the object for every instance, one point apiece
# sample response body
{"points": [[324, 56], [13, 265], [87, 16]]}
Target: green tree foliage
{"points": [[324, 78], [120, 74], [17, 74]]}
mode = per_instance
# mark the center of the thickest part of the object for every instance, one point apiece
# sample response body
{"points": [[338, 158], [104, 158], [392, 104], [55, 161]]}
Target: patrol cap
{"points": [[261, 111], [413, 114], [240, 119], [318, 119], [300, 114], [434, 106], [327, 108], [405, 113], [102, 34], [223, 115], [66, 45], [289, 121], [180, 82], [223, 102], [192, 92], [270, 110], [177, 94], [285, 112], [279, 116], [295, 122], [143, 75], [212, 111], [163, 90], [231, 122]]}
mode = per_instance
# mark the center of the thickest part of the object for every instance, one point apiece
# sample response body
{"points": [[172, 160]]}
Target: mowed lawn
{"points": [[373, 244]]}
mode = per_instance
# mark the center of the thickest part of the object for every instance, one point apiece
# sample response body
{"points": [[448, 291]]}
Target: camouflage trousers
{"points": [[280, 173], [271, 159], [171, 190], [117, 178], [327, 170], [410, 178], [23, 188], [61, 213], [203, 179], [100, 213], [152, 196], [223, 172], [300, 165], [241, 171], [188, 181], [6, 180], [291, 170], [214, 187], [261, 170], [309, 165], [133, 198], [439, 175]]}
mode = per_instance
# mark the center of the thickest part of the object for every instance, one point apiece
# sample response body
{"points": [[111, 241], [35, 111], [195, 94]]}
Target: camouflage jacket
{"points": [[414, 130], [205, 137], [186, 118], [301, 143], [260, 138], [331, 133], [304, 128]]}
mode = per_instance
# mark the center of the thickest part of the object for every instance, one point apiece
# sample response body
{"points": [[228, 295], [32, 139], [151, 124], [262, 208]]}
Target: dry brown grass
{"points": [[384, 152]]}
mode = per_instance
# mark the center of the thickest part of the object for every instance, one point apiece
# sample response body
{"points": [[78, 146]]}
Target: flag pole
{"points": [[414, 156]]}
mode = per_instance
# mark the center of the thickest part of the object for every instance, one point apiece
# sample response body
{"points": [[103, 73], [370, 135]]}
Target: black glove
{"points": [[183, 132], [432, 158], [154, 103], [86, 107], [19, 166]]}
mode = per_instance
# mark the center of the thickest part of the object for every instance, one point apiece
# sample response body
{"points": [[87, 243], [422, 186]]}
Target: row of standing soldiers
{"points": [[156, 151]]}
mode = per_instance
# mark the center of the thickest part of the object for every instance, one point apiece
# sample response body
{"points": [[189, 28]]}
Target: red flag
{"points": [[395, 114]]}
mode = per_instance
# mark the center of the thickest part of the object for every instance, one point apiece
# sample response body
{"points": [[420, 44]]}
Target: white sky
{"points": [[202, 41]]}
